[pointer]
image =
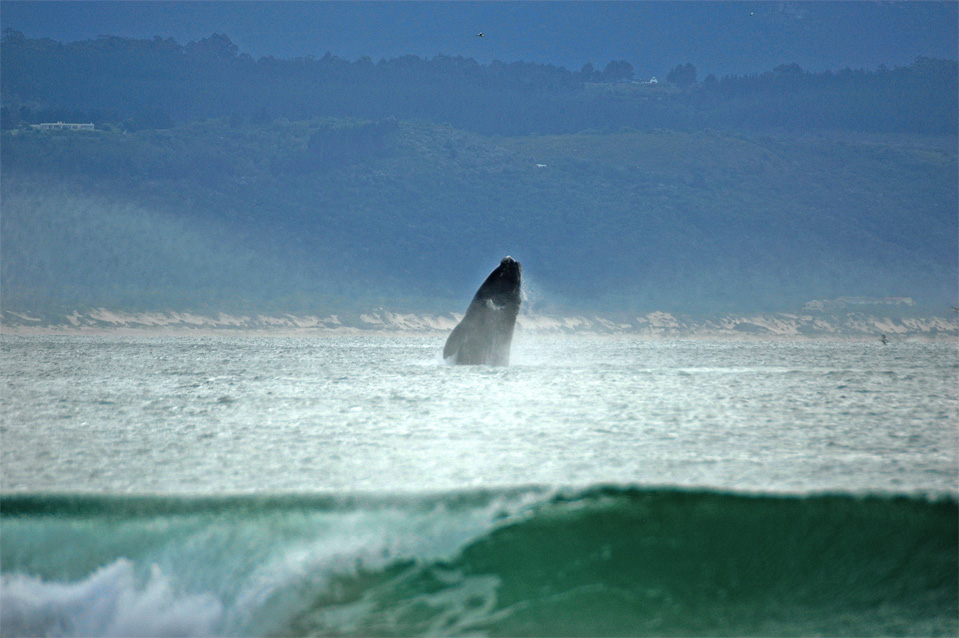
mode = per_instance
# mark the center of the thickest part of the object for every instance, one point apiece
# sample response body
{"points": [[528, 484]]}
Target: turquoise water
{"points": [[604, 561], [357, 486]]}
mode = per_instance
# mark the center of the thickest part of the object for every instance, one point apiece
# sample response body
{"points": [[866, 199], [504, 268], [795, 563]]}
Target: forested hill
{"points": [[160, 83], [215, 182]]}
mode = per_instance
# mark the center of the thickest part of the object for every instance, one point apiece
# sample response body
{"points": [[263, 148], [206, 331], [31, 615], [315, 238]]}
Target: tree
{"points": [[587, 73], [12, 35], [618, 71], [793, 70], [682, 76], [217, 45]]}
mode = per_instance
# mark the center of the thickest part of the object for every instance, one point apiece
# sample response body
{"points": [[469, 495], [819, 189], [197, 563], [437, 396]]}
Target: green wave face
{"points": [[604, 561]]}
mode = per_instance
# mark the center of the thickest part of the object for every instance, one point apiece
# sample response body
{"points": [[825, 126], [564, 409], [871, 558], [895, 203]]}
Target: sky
{"points": [[716, 37]]}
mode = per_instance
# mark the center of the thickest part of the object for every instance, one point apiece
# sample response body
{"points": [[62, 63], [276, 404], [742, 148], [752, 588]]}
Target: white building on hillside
{"points": [[70, 126]]}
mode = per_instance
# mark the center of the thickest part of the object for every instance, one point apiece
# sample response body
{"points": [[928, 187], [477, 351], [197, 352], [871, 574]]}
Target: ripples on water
{"points": [[207, 415]]}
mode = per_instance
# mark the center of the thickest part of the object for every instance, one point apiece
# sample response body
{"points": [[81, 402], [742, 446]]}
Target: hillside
{"points": [[331, 214], [159, 83]]}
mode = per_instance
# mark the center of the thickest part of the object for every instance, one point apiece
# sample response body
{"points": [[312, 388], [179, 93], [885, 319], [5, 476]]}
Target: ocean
{"points": [[358, 486]]}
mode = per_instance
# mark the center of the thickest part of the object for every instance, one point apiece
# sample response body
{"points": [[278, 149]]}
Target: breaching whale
{"points": [[484, 335]]}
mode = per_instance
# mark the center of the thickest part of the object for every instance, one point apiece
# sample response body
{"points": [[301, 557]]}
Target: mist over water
{"points": [[86, 249]]}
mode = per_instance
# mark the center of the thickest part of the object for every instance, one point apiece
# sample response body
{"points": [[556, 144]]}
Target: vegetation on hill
{"points": [[219, 182], [159, 83]]}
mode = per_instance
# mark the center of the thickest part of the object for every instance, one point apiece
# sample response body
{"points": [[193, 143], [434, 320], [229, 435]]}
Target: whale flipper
{"points": [[485, 334]]}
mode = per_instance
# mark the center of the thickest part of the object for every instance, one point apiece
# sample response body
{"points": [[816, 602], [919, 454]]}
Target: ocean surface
{"points": [[308, 486]]}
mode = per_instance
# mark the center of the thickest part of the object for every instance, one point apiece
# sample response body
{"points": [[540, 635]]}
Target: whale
{"points": [[485, 334]]}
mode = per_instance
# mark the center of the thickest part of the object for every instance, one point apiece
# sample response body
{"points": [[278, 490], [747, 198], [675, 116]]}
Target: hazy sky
{"points": [[717, 37]]}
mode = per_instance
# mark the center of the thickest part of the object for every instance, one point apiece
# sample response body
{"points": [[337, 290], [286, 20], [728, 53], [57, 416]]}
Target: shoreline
{"points": [[853, 326]]}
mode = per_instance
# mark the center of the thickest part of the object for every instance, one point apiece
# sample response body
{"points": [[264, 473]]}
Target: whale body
{"points": [[485, 334]]}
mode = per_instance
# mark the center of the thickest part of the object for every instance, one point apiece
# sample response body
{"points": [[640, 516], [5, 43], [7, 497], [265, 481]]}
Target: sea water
{"points": [[360, 486]]}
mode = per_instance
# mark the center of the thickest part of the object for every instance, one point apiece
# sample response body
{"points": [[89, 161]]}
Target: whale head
{"points": [[503, 284]]}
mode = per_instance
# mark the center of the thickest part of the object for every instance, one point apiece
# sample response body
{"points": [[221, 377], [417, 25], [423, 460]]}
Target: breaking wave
{"points": [[597, 561]]}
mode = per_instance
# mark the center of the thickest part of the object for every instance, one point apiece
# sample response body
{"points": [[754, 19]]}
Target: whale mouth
{"points": [[510, 265]]}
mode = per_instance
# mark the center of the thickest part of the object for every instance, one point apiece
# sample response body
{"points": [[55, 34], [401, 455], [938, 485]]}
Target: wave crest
{"points": [[112, 601]]}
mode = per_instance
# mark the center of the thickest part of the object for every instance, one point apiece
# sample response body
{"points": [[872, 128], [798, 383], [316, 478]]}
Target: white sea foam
{"points": [[111, 601]]}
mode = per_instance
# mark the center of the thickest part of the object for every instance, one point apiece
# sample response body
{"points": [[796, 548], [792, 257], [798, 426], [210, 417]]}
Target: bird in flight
{"points": [[480, 35]]}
